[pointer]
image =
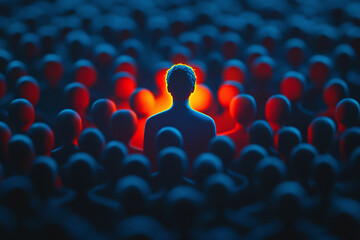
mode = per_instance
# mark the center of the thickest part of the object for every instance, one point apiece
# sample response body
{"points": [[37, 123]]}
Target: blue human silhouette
{"points": [[197, 128]]}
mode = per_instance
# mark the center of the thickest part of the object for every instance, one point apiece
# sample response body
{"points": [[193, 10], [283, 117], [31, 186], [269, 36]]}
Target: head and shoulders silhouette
{"points": [[196, 128]]}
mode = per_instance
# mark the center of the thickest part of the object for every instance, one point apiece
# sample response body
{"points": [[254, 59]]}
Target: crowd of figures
{"points": [[78, 80]]}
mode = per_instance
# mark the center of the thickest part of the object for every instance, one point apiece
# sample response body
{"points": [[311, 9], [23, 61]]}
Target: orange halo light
{"points": [[200, 100]]}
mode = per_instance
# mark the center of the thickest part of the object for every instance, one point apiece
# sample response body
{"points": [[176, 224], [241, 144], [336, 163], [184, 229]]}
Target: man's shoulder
{"points": [[205, 123], [203, 117], [157, 116]]}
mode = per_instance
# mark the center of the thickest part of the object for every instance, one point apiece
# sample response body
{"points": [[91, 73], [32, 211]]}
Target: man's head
{"points": [[180, 81]]}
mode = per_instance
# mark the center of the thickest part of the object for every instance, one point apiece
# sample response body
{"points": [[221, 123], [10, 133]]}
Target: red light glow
{"points": [[127, 67], [86, 75], [124, 86], [292, 88], [234, 73]]}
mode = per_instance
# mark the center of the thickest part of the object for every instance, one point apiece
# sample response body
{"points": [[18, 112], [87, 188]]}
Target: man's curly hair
{"points": [[181, 80]]}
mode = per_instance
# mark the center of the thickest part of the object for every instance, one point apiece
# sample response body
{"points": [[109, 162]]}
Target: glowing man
{"points": [[196, 128]]}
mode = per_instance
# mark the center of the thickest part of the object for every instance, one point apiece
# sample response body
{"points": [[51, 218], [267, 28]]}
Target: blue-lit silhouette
{"points": [[196, 128]]}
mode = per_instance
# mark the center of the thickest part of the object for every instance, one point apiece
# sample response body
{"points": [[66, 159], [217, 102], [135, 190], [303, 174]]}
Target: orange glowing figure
{"points": [[142, 102]]}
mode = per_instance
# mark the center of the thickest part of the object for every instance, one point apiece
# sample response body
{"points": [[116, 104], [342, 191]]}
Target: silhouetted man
{"points": [[197, 128]]}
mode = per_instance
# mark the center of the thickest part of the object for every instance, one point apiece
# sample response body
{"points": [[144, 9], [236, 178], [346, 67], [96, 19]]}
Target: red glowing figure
{"points": [[124, 84], [243, 111], [227, 91], [277, 111]]}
